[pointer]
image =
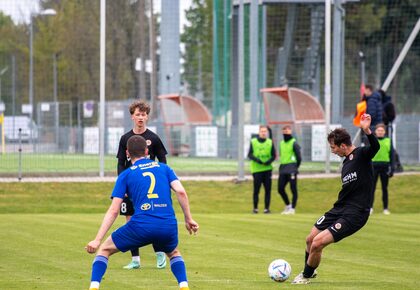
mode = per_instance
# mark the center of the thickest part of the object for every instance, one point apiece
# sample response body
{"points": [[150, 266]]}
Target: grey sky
{"points": [[20, 10]]}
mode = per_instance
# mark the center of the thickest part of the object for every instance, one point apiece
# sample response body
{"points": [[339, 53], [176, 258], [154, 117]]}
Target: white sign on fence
{"points": [[319, 143], [26, 108], [152, 128], [114, 136], [91, 140], [248, 131], [45, 107], [118, 114], [88, 108], [206, 141]]}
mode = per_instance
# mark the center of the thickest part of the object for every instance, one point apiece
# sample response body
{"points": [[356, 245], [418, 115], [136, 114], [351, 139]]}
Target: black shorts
{"points": [[342, 222], [127, 207]]}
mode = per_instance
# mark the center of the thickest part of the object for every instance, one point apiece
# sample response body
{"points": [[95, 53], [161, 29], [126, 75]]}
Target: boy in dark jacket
{"points": [[373, 106]]}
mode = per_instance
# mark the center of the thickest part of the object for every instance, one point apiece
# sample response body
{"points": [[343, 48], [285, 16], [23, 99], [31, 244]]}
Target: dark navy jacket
{"points": [[374, 108]]}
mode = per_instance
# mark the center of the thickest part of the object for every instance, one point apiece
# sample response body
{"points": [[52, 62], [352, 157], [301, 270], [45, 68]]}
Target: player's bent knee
{"points": [[317, 244], [174, 253], [309, 239], [107, 248]]}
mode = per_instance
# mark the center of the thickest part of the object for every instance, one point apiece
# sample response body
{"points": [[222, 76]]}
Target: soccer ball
{"points": [[279, 270]]}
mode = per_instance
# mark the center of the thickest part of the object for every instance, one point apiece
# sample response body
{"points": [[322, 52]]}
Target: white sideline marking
{"points": [[182, 178]]}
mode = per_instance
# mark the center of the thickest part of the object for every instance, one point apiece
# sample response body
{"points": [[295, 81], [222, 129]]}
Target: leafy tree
{"points": [[13, 42], [73, 34]]}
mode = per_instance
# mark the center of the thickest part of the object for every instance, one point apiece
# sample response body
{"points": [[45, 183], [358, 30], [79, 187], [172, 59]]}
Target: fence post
{"points": [[20, 155]]}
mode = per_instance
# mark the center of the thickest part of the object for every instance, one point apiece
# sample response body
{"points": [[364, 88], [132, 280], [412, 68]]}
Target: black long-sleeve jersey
{"points": [[154, 144], [357, 177]]}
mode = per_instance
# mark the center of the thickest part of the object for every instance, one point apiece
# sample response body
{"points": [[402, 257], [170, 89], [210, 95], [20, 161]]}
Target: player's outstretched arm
{"points": [[108, 221], [181, 194], [365, 121]]}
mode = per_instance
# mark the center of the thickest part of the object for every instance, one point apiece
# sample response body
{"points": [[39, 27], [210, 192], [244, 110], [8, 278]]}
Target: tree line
{"points": [[71, 40]]}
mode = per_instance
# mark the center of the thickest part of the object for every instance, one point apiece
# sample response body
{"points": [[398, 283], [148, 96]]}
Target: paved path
{"points": [[183, 178]]}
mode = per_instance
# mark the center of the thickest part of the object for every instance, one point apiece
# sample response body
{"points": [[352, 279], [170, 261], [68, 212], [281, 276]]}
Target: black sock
{"points": [[308, 271], [306, 257], [135, 252]]}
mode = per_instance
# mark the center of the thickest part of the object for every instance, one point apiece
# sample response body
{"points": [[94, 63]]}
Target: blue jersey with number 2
{"points": [[147, 184]]}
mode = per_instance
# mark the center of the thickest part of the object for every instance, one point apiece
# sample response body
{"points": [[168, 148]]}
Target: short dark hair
{"points": [[136, 146], [369, 87], [339, 136], [287, 127], [380, 125], [141, 105]]}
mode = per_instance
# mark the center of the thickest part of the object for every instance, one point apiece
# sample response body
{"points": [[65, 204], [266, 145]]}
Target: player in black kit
{"points": [[351, 211], [139, 111]]}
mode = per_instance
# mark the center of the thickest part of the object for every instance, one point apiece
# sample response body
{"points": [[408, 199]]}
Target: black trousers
{"points": [[265, 179], [381, 172], [283, 180]]}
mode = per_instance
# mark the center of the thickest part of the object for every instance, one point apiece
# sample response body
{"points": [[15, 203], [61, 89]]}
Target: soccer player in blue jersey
{"points": [[148, 184]]}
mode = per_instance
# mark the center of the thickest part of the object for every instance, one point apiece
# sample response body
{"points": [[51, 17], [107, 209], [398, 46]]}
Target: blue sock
{"points": [[178, 268], [100, 263]]}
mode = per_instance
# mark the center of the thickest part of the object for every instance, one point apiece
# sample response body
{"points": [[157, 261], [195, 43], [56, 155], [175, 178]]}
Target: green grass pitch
{"points": [[41, 164], [44, 228]]}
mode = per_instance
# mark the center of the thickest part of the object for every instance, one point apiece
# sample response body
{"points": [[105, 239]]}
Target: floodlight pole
{"points": [[31, 73], [253, 59], [55, 99], [402, 55], [327, 80], [152, 60], [13, 92], [241, 162], [102, 90], [362, 73]]}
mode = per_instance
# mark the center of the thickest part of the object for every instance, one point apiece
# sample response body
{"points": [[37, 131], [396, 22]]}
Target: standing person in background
{"points": [[382, 166], [373, 106], [262, 154], [388, 111], [139, 111], [388, 116], [290, 159]]}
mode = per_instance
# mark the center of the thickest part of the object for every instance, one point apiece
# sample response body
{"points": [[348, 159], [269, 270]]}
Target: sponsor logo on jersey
{"points": [[350, 177], [133, 167], [145, 206], [149, 165], [337, 226], [160, 205]]}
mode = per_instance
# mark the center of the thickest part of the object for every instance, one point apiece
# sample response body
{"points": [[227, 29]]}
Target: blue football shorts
{"points": [[132, 235]]}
